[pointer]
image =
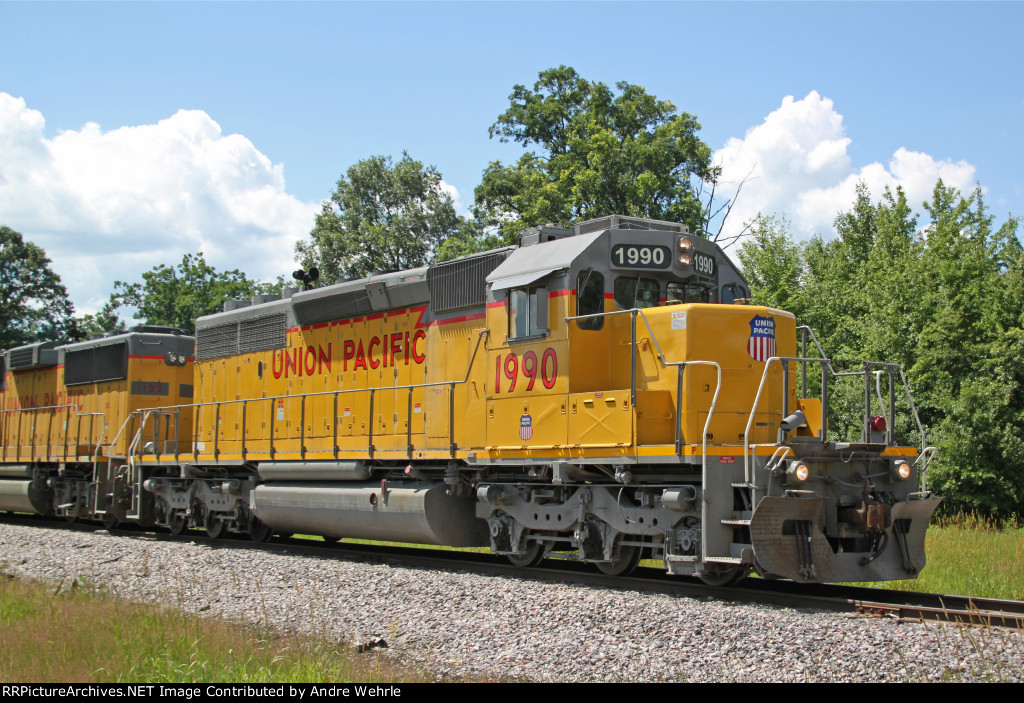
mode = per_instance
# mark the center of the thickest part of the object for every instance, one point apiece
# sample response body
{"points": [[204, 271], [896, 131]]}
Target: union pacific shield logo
{"points": [[761, 345], [525, 428]]}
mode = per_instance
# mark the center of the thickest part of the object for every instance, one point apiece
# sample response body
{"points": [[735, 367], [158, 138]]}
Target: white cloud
{"points": [[453, 192], [798, 164], [110, 205]]}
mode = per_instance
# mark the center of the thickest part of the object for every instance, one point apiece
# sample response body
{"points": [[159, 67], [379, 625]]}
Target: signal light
{"points": [[877, 423]]}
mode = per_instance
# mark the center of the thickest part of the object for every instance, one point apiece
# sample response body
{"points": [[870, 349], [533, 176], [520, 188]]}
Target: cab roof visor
{"points": [[523, 279]]}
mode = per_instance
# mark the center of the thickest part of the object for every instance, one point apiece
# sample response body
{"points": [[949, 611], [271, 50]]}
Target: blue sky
{"points": [[281, 98]]}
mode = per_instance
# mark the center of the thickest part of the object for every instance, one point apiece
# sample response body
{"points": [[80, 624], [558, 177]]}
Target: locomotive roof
{"points": [[140, 343], [446, 283], [380, 291], [30, 356]]}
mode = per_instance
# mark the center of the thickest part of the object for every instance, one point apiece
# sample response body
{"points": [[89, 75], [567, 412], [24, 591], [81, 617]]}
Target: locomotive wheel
{"points": [[259, 531], [177, 524], [325, 538], [724, 577], [110, 521], [215, 528], [624, 564], [530, 556]]}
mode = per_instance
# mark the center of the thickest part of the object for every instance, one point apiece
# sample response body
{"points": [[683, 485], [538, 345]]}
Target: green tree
{"points": [[380, 217], [103, 322], [34, 304], [772, 264], [980, 465], [595, 152], [970, 352], [176, 296], [962, 274]]}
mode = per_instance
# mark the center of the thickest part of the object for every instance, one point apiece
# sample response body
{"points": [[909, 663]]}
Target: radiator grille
{"points": [[21, 357], [262, 333], [221, 340], [106, 363], [332, 307], [461, 284], [242, 337]]}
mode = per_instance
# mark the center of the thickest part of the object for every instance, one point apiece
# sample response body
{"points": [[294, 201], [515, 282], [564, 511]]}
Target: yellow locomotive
{"points": [[70, 416], [601, 393]]}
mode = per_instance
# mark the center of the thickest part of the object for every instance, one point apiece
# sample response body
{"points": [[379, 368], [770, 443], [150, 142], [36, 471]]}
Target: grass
{"points": [[72, 633], [970, 556]]}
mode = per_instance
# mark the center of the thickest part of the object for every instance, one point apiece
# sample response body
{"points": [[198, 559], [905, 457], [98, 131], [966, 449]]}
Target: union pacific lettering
{"points": [[54, 400], [311, 360], [384, 350], [394, 349]]}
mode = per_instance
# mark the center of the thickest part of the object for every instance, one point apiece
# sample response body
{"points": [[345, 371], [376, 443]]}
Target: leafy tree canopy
{"points": [[103, 322], [594, 152], [381, 216], [772, 263], [34, 304], [176, 296]]}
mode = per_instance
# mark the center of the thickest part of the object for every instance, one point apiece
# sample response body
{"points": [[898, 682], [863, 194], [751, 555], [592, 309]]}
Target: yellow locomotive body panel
{"points": [[27, 428]]}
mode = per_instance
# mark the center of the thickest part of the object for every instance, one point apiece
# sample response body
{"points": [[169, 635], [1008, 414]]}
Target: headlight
{"points": [[685, 245], [799, 471], [903, 470]]}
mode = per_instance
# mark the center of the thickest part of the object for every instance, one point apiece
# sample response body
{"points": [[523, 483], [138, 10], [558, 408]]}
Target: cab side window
{"points": [[527, 312], [590, 299]]}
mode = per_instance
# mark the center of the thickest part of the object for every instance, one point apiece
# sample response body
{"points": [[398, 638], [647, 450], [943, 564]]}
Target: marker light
{"points": [[877, 423]]}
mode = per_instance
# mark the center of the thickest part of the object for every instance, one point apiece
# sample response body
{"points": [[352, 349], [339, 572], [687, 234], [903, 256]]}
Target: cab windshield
{"points": [[688, 292], [635, 292]]}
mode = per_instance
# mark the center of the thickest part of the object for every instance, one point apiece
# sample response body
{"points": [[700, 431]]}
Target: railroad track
{"points": [[869, 602]]}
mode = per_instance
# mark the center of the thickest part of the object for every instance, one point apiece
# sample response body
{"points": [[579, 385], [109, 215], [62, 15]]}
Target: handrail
{"points": [[825, 362], [127, 419], [913, 408], [334, 393], [94, 448]]}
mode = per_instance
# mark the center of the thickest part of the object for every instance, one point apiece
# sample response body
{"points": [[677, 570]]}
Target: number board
{"points": [[703, 264], [641, 256], [149, 388]]}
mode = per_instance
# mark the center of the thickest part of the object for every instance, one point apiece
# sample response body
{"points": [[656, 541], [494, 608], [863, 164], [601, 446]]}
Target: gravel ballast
{"points": [[458, 624]]}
